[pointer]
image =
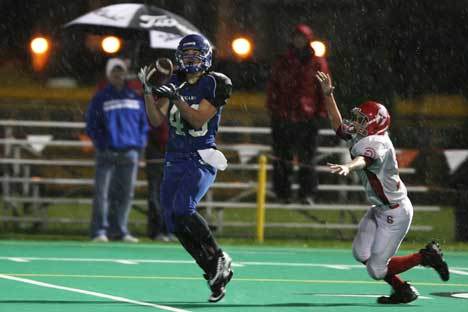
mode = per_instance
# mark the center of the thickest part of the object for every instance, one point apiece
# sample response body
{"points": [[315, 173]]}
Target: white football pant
{"points": [[379, 236]]}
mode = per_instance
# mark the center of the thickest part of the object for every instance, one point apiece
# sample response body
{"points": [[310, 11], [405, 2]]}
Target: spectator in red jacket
{"points": [[295, 103]]}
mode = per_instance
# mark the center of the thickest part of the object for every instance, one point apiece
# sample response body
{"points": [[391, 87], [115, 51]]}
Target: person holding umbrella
{"points": [[192, 103]]}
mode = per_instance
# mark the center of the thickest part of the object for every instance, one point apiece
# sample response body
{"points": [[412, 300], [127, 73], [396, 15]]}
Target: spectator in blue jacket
{"points": [[116, 122]]}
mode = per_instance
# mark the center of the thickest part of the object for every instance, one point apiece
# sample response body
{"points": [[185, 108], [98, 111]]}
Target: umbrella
{"points": [[160, 28]]}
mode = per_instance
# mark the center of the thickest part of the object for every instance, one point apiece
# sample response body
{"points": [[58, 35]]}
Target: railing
{"points": [[17, 172]]}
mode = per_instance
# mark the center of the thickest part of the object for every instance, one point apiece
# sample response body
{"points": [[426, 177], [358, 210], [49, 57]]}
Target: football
{"points": [[160, 72]]}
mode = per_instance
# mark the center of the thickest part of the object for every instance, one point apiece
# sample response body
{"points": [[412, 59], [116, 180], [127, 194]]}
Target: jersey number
{"points": [[389, 219], [176, 121]]}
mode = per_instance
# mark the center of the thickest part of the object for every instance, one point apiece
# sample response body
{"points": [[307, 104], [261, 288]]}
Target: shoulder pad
{"points": [[223, 88], [369, 147], [221, 78]]}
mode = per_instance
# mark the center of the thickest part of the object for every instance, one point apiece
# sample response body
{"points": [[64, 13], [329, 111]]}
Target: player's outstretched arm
{"points": [[332, 108], [356, 164]]}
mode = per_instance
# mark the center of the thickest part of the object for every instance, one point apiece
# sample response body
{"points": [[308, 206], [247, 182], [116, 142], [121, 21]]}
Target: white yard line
{"points": [[137, 261], [358, 295], [121, 261], [337, 266], [458, 271], [91, 293], [19, 260], [238, 279]]}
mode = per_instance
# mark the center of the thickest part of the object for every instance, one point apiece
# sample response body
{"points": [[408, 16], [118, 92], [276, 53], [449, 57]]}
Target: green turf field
{"points": [[76, 276]]}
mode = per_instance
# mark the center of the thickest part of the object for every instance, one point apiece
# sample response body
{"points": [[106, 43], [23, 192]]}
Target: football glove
{"points": [[169, 91], [144, 75]]}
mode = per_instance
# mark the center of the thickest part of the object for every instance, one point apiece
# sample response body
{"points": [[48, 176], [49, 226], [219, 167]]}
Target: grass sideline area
{"points": [[443, 229]]}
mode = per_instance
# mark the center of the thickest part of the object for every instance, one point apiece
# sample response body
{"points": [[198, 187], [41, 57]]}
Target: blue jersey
{"points": [[213, 87]]}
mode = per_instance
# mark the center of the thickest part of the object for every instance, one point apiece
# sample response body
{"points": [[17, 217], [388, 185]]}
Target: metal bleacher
{"points": [[25, 151]]}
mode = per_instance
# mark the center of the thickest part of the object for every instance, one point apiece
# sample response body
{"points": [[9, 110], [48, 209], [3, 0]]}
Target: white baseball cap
{"points": [[114, 62]]}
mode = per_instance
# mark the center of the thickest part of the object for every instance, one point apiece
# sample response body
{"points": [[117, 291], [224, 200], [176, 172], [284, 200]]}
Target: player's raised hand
{"points": [[144, 75], [338, 169], [325, 83]]}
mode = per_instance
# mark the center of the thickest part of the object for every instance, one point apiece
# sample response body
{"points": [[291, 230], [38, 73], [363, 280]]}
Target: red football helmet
{"points": [[370, 118]]}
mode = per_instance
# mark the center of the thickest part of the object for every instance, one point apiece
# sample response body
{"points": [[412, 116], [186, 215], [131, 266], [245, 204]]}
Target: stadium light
{"points": [[242, 47], [111, 44], [319, 48], [40, 51], [39, 45]]}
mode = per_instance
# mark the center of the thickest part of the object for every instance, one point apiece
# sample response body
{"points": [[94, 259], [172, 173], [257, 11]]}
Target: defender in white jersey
{"points": [[386, 223]]}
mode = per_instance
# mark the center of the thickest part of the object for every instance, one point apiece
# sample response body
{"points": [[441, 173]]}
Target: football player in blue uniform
{"points": [[192, 103]]}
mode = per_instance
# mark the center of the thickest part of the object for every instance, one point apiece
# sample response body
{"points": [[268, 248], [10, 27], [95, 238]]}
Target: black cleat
{"points": [[220, 279], [218, 291], [432, 256], [405, 294]]}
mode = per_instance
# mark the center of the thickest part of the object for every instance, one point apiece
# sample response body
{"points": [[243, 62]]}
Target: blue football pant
{"points": [[186, 180]]}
